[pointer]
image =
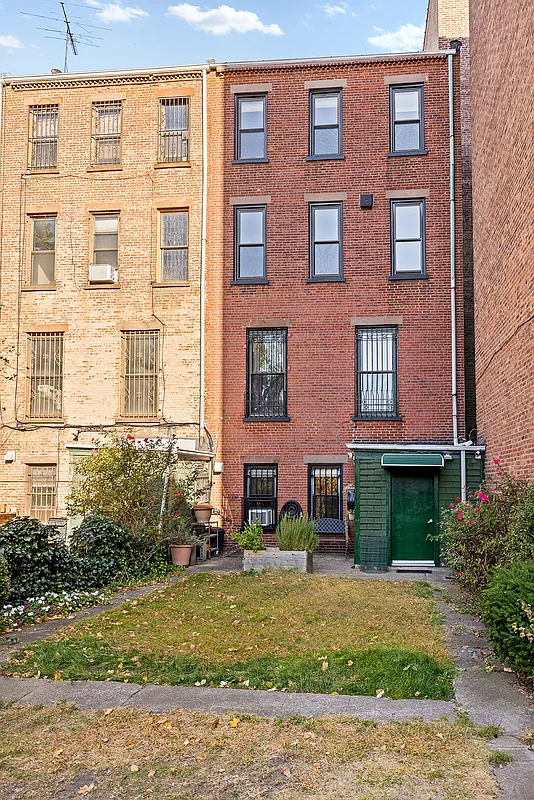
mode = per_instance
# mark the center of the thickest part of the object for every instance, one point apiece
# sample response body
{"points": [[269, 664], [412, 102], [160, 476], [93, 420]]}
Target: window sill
{"points": [[250, 161], [376, 419], [45, 421], [102, 286], [266, 419], [327, 279], [172, 165], [408, 153], [138, 420], [51, 171], [338, 157], [51, 288], [168, 284], [105, 168], [409, 277], [249, 282]]}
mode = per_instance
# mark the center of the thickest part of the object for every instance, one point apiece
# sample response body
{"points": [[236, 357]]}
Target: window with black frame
{"points": [[325, 492], [406, 120], [376, 372], [325, 124], [250, 234], [408, 238], [251, 127], [266, 394], [261, 494], [326, 251]]}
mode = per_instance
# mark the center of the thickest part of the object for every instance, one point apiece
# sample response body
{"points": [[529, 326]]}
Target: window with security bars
{"points": [[106, 133], [43, 137], [140, 373], [266, 394], [174, 245], [46, 375], [173, 129], [376, 372], [261, 491], [325, 492], [406, 119], [42, 491], [43, 252]]}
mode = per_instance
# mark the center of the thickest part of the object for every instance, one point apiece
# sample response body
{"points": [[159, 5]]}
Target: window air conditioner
{"points": [[102, 273], [262, 515]]}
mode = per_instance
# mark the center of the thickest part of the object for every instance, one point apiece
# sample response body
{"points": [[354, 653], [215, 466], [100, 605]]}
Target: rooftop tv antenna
{"points": [[73, 34]]}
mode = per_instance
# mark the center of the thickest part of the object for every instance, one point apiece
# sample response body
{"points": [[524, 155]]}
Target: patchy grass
{"points": [[289, 631], [499, 757], [47, 754]]}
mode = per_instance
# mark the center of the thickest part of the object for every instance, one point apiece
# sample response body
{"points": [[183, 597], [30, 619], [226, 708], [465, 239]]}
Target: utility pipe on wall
{"points": [[201, 404]]}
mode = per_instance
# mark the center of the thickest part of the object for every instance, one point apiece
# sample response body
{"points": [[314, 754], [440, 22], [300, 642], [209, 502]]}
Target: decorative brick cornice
{"points": [[118, 80], [334, 65]]}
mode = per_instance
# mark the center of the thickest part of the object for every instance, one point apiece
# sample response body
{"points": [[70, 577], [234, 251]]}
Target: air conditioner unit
{"points": [[102, 273], [262, 515]]}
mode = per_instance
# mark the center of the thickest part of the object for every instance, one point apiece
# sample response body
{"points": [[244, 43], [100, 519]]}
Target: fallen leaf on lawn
{"points": [[214, 723], [134, 768], [350, 663], [287, 772], [440, 735], [57, 674], [186, 742], [246, 683], [151, 773], [58, 751], [334, 692], [107, 712], [167, 724], [324, 666], [234, 722], [417, 694], [105, 739], [379, 693], [86, 789], [198, 759]]}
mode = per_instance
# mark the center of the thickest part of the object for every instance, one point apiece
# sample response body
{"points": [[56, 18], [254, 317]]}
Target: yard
{"points": [[287, 632]]}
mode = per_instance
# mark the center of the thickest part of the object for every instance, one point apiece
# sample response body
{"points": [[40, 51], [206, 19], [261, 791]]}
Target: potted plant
{"points": [[182, 539], [202, 512]]}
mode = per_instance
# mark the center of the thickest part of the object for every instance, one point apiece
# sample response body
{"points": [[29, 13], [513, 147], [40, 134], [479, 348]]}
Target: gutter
{"points": [[202, 371], [458, 448]]}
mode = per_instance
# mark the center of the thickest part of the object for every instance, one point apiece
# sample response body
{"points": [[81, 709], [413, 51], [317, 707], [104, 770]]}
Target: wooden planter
{"points": [[273, 557]]}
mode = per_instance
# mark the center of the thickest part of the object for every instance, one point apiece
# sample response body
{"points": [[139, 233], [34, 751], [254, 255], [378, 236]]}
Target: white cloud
{"points": [[407, 39], [332, 10], [223, 20], [116, 12], [10, 41]]}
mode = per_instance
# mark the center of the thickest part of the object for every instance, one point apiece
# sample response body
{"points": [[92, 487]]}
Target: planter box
{"points": [[279, 559]]}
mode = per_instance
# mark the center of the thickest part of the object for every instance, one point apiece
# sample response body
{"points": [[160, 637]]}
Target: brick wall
{"points": [[502, 107]]}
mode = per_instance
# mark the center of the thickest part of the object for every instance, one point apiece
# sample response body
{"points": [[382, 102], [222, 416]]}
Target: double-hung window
{"points": [[106, 239], [261, 495], [408, 238], [173, 129], [250, 235], [43, 252], [42, 491], [326, 241], [106, 133], [325, 124], [266, 393], [325, 492], [43, 136], [406, 119], [45, 375], [173, 246], [376, 372], [140, 371], [251, 127]]}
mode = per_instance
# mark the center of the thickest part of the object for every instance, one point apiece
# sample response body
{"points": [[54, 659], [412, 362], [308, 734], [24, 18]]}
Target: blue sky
{"points": [[137, 33]]}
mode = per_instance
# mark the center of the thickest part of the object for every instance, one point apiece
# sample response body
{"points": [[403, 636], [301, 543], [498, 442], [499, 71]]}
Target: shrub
{"points": [[502, 609], [297, 533], [521, 527], [39, 562], [104, 549], [4, 581], [251, 537]]}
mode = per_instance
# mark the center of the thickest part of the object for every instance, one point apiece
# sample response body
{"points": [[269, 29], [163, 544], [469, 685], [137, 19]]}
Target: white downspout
{"points": [[201, 405], [452, 191]]}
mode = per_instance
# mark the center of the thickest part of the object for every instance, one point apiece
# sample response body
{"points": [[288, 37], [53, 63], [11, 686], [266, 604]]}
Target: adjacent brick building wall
{"points": [[502, 108], [321, 317]]}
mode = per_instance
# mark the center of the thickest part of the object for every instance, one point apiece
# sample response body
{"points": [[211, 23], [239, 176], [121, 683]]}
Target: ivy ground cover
{"points": [[278, 631]]}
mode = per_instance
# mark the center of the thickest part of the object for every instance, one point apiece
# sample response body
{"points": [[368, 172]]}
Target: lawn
{"points": [[286, 631], [47, 754]]}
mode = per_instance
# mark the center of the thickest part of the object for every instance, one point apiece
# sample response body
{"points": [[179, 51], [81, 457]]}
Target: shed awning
{"points": [[412, 460]]}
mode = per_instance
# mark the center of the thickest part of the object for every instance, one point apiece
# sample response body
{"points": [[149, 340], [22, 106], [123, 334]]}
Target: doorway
{"points": [[414, 510]]}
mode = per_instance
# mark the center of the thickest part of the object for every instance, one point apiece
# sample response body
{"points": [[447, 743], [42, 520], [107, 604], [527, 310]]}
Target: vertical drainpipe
{"points": [[452, 189], [201, 405]]}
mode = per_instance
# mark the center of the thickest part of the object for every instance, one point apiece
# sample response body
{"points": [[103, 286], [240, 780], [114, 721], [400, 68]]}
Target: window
{"points": [[325, 492], [325, 124], [46, 375], [173, 245], [266, 396], [326, 261], [173, 129], [106, 239], [250, 224], [251, 127], [408, 238], [42, 491], [376, 376], [140, 373], [43, 136], [106, 149], [261, 495], [43, 253], [406, 119]]}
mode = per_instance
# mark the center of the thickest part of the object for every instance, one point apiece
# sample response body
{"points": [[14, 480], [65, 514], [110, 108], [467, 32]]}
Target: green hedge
{"points": [[4, 581]]}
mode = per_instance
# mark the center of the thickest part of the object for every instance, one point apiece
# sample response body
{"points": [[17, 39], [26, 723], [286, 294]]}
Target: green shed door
{"points": [[412, 515]]}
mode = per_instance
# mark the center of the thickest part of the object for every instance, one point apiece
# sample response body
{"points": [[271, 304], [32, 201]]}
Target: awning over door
{"points": [[412, 460]]}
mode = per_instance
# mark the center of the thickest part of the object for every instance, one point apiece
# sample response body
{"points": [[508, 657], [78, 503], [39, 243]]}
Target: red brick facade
{"points": [[321, 317]]}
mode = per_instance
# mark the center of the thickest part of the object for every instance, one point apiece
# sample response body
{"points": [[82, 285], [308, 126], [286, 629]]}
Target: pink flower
{"points": [[177, 515], [477, 508], [471, 521], [451, 505], [460, 516], [496, 460], [499, 472], [178, 494]]}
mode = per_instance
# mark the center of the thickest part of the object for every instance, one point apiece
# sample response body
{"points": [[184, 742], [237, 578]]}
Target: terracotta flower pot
{"points": [[202, 512], [181, 554]]}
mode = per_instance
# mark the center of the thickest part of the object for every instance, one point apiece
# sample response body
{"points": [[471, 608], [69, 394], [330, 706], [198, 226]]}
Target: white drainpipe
{"points": [[201, 405]]}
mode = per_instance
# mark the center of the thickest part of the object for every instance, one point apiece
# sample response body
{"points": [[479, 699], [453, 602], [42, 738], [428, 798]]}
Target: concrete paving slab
{"points": [[85, 695], [516, 781], [13, 690]]}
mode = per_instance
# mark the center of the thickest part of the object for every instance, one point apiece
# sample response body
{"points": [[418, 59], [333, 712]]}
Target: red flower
{"points": [[457, 499], [496, 460], [130, 437], [177, 515], [499, 472]]}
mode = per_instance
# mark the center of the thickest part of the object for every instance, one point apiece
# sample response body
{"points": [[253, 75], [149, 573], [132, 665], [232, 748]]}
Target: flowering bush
{"points": [[525, 631], [52, 604]]}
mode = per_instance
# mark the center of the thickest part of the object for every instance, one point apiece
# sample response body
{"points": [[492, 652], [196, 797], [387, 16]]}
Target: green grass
{"points": [[499, 757], [284, 632]]}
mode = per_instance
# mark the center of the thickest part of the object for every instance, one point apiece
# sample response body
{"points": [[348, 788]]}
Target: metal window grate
{"points": [[43, 136], [174, 245], [140, 373], [267, 373], [42, 491], [46, 375], [43, 253], [106, 133], [376, 386], [261, 489], [173, 129], [325, 492]]}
